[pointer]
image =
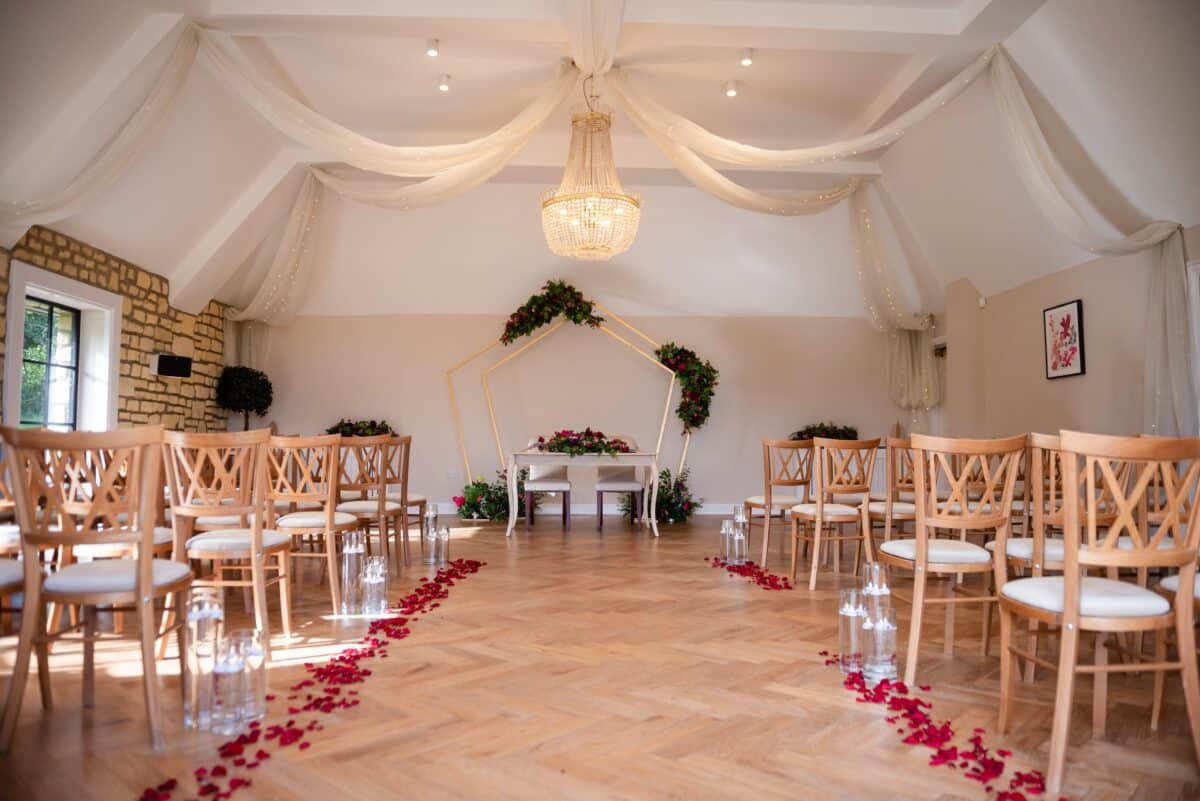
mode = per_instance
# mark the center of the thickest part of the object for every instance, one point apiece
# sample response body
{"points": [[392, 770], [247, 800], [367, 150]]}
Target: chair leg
{"points": [[599, 510], [1160, 677], [30, 620], [179, 646], [335, 589], [285, 593], [948, 637], [635, 508], [149, 673], [988, 607], [528, 510], [766, 534], [566, 511], [817, 526], [914, 627], [258, 577], [41, 650], [1035, 628], [89, 656], [168, 619], [1067, 655], [795, 546], [1007, 671], [1100, 688], [1185, 639]]}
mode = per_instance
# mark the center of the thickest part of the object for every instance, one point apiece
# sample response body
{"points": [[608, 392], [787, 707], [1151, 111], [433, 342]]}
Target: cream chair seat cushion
{"points": [[367, 507], [828, 510], [848, 498], [12, 575], [414, 498], [777, 501], [1098, 597], [162, 536], [313, 520], [112, 575], [954, 552], [548, 479], [898, 507], [235, 539], [1022, 548], [1171, 584], [617, 479], [222, 520], [10, 535]]}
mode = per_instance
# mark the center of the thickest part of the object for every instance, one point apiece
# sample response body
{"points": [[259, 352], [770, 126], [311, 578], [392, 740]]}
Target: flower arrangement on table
{"points": [[825, 431], [676, 504], [360, 428], [482, 500], [577, 443]]}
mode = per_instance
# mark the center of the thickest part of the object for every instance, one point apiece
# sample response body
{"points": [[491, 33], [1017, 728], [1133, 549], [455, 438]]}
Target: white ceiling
{"points": [[215, 181]]}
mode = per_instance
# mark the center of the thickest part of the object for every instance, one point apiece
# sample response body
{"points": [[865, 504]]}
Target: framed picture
{"points": [[1062, 327]]}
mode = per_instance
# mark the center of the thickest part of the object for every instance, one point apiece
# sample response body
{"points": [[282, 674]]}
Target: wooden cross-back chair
{"points": [[899, 498], [1124, 469], [786, 463], [362, 480], [397, 464], [843, 470], [68, 496], [223, 475], [302, 474], [980, 475]]}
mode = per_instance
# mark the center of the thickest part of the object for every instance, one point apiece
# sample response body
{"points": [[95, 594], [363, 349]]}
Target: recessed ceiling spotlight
{"points": [[747, 57], [731, 89], [431, 48], [444, 83]]}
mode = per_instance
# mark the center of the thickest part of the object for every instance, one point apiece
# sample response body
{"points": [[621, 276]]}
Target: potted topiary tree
{"points": [[244, 390]]}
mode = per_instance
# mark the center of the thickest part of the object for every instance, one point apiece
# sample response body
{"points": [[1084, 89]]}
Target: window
{"points": [[50, 366]]}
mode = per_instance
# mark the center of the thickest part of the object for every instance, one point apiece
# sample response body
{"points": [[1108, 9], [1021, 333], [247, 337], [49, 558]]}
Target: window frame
{"points": [[77, 325]]}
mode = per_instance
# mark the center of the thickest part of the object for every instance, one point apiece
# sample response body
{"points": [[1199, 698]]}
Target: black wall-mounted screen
{"points": [[173, 366]]}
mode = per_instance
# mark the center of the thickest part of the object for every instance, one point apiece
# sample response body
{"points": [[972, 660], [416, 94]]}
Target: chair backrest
{"points": [[899, 466], [360, 464], [80, 488], [980, 475], [216, 473], [844, 466], [396, 455], [787, 463], [302, 470], [1126, 469]]}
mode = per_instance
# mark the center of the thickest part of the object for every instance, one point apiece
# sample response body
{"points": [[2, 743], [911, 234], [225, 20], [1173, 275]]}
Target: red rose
{"points": [[459, 501]]}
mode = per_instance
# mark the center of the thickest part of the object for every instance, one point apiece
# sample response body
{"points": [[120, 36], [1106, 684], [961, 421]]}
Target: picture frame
{"points": [[1062, 335]]}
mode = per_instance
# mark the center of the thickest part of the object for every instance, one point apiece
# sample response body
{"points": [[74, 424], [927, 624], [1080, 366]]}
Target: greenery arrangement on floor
{"points": [[825, 431], [482, 500], [360, 428], [676, 504], [697, 377], [577, 443]]}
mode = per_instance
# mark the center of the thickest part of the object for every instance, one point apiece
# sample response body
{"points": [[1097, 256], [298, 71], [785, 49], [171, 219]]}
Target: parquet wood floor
{"points": [[583, 666]]}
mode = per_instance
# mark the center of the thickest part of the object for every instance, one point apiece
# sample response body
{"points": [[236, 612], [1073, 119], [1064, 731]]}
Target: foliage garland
{"points": [[825, 431], [697, 377], [360, 428], [581, 442]]}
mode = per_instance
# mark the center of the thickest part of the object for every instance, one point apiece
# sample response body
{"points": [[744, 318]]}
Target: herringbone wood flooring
{"points": [[582, 666]]}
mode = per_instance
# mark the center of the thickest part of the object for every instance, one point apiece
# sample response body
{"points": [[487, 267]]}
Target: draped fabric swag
{"points": [[885, 272]]}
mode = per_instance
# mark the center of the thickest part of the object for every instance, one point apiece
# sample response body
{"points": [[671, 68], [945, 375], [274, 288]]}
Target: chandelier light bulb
{"points": [[731, 89], [444, 83], [747, 57], [431, 48]]}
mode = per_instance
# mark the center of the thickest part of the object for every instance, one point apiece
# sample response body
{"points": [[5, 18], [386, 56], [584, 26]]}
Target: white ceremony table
{"points": [[535, 458]]}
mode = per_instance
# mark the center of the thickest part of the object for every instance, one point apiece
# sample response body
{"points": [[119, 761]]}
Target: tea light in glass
{"points": [[879, 639], [254, 707], [353, 553], [429, 533], [374, 584], [205, 617], [726, 536], [851, 612], [229, 687]]}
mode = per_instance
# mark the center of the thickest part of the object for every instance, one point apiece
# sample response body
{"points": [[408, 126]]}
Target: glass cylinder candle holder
{"points": [[444, 546], [739, 547], [229, 687], [205, 617], [739, 513], [353, 553], [876, 587], [879, 640], [374, 584], [254, 707], [726, 536], [429, 532], [851, 612]]}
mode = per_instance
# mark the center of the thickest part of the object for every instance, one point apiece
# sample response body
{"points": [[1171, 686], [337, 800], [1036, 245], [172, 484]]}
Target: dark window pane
{"points": [[33, 392], [37, 330]]}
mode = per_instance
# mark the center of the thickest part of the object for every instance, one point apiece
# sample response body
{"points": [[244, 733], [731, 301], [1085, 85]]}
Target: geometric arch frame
{"points": [[458, 428]]}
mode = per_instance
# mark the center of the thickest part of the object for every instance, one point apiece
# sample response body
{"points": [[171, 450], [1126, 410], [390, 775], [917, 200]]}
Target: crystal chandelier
{"points": [[590, 216]]}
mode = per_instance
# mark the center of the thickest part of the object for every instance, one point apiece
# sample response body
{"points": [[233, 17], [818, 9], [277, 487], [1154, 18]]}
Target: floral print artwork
{"points": [[1064, 340]]}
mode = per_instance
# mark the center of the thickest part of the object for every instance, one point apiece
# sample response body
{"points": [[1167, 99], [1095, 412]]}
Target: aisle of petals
{"points": [[919, 728], [760, 576], [324, 691]]}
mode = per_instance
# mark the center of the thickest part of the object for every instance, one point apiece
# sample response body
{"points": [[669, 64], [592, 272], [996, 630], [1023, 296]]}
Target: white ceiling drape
{"points": [[593, 28]]}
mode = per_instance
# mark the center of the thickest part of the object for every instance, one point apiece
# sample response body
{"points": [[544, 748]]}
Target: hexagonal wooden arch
{"points": [[458, 428]]}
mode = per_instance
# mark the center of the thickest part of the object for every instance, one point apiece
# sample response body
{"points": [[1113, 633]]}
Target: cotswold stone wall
{"points": [[148, 325]]}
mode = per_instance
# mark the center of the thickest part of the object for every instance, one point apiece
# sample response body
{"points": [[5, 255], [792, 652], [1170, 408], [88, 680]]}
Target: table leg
{"points": [[653, 506], [512, 496]]}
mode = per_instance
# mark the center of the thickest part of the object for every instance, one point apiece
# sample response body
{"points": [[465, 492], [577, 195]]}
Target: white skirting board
{"points": [[551, 506]]}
